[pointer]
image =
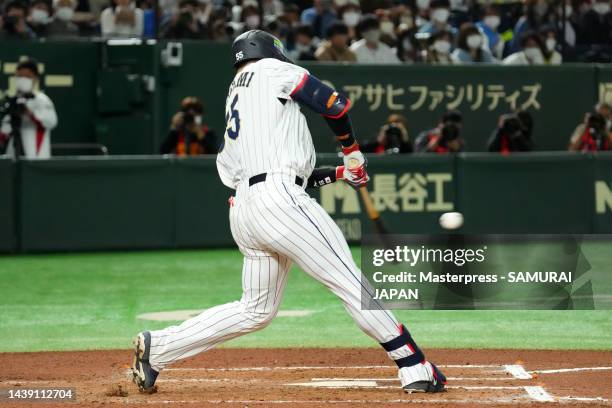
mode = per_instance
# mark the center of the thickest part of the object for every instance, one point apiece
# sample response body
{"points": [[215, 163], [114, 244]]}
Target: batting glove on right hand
{"points": [[355, 167]]}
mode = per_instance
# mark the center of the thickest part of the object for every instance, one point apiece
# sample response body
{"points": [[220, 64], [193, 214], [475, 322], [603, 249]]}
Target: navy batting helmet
{"points": [[257, 44]]}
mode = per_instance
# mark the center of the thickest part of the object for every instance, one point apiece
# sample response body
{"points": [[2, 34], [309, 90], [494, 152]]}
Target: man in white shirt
{"points": [[124, 20], [36, 114], [370, 50]]}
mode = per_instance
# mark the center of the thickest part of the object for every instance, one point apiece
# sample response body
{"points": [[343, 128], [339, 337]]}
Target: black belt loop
{"points": [[262, 177]]}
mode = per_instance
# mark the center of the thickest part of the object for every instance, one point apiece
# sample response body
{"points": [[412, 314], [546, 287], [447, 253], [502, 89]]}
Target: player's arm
{"points": [[334, 107], [322, 176]]}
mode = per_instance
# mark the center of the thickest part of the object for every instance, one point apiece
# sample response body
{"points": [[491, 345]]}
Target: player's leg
{"points": [[307, 234], [263, 281]]}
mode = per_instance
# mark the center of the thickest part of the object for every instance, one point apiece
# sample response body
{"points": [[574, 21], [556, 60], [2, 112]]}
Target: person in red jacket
{"points": [[189, 135], [444, 138], [593, 135]]}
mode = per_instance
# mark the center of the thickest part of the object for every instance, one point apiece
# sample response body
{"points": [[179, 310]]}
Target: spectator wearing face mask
{"points": [[572, 22], [320, 16], [469, 47], [407, 49], [405, 18], [40, 17], [37, 115], [271, 8], [251, 16], [536, 14], [596, 24], [549, 35], [303, 46], [335, 48], [488, 26], [184, 23], [439, 14], [422, 13], [122, 20], [370, 50], [532, 52], [350, 14], [62, 25], [439, 49], [13, 24], [387, 28]]}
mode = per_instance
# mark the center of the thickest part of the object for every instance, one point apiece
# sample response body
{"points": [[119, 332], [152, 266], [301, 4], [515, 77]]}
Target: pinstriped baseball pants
{"points": [[275, 223]]}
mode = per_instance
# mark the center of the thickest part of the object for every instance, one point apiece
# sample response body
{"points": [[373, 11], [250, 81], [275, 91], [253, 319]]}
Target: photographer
{"points": [[188, 134], [28, 117], [592, 135], [513, 134], [444, 138], [392, 137]]}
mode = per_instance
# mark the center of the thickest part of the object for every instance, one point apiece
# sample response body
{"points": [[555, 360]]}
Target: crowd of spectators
{"points": [[368, 31]]}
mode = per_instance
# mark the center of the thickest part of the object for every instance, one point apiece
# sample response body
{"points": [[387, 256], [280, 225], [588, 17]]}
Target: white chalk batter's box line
{"points": [[529, 394], [371, 402], [351, 367]]}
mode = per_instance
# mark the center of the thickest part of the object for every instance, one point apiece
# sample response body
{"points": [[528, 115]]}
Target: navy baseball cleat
{"points": [[425, 377], [143, 375]]}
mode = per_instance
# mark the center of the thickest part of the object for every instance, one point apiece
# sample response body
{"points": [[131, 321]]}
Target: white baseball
{"points": [[451, 220]]}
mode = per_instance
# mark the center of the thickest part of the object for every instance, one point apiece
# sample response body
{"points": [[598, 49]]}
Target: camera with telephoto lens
{"points": [[14, 107], [188, 117], [512, 126], [596, 124], [10, 24], [393, 137], [450, 132]]}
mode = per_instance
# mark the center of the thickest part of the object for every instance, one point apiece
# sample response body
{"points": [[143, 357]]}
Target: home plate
{"points": [[337, 384]]}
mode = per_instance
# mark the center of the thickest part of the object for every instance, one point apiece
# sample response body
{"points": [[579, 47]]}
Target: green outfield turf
{"points": [[90, 301]]}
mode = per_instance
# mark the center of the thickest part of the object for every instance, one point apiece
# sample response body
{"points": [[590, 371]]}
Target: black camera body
{"points": [[450, 132], [14, 107], [512, 126], [10, 24], [393, 136]]}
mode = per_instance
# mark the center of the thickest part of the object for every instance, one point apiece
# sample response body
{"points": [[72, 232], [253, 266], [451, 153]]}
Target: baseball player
{"points": [[268, 158]]}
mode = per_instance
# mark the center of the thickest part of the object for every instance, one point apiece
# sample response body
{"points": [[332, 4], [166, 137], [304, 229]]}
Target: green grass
{"points": [[90, 301]]}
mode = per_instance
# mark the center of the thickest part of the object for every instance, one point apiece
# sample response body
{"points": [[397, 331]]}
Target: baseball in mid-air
{"points": [[451, 220]]}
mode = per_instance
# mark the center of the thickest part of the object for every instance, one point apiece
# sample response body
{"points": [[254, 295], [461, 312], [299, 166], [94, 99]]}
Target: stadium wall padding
{"points": [[7, 206], [124, 97], [152, 202]]}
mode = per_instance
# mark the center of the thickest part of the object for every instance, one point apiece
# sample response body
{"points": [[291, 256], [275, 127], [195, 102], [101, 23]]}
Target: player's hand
{"points": [[355, 167]]}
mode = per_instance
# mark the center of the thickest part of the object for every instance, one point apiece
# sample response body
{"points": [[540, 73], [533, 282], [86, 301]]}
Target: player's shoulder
{"points": [[274, 66], [41, 97]]}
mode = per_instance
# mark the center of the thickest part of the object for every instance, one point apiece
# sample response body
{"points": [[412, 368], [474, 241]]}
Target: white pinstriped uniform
{"points": [[274, 222]]}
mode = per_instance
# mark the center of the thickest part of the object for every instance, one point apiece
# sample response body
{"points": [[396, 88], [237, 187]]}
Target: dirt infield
{"points": [[318, 377]]}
